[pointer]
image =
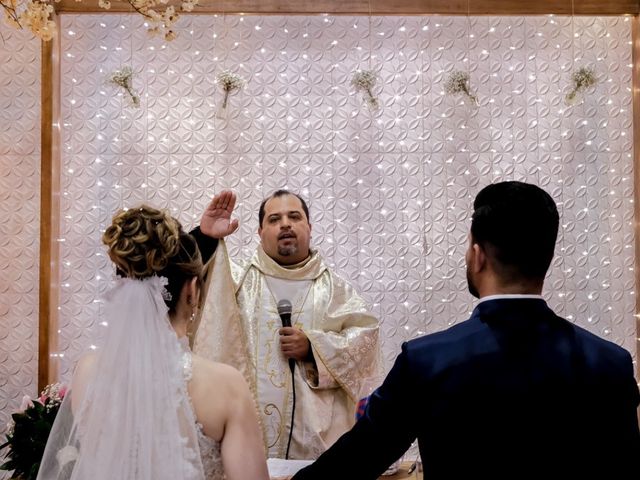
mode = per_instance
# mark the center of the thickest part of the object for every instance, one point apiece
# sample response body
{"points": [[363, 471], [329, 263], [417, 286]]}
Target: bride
{"points": [[142, 406]]}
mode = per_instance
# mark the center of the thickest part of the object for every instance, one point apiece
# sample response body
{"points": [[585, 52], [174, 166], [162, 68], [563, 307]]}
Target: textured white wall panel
{"points": [[390, 191], [19, 217]]}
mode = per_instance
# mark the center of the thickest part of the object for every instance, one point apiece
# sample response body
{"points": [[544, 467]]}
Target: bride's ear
{"points": [[192, 292]]}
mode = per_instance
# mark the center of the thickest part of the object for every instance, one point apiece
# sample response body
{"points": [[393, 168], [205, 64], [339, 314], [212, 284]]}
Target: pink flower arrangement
{"points": [[28, 431]]}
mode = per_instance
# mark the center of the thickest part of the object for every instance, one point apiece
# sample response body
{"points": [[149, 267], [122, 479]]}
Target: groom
{"points": [[513, 392]]}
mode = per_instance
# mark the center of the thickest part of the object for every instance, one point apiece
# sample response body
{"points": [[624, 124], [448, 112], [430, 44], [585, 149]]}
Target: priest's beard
{"points": [[472, 288], [287, 251]]}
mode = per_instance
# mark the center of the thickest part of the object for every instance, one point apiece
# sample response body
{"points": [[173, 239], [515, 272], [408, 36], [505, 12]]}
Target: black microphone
{"points": [[284, 310]]}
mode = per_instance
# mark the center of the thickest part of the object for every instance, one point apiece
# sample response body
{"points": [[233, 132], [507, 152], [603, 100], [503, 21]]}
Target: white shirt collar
{"points": [[508, 296]]}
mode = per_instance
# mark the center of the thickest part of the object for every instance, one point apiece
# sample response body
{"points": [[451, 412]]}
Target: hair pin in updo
{"points": [[166, 294]]}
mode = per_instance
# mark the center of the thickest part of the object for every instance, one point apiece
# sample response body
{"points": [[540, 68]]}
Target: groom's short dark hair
{"points": [[516, 223]]}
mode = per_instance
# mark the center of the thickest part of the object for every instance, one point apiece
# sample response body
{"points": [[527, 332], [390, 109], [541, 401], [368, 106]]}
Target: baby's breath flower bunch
{"points": [[364, 81], [34, 15], [458, 82], [229, 82], [583, 78], [124, 78]]}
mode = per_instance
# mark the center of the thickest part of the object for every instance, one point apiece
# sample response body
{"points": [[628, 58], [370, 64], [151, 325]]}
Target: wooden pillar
{"points": [[49, 209]]}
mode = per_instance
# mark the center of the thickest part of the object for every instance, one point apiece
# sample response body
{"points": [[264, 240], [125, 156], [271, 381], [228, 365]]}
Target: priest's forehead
{"points": [[282, 193]]}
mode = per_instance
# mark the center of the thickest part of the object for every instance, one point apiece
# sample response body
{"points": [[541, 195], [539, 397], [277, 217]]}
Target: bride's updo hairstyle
{"points": [[145, 241]]}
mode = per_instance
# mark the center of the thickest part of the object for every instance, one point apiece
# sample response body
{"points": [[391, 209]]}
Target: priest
{"points": [[306, 377]]}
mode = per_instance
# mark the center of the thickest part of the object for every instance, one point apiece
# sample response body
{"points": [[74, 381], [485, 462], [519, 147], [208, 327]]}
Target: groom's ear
{"points": [[480, 260]]}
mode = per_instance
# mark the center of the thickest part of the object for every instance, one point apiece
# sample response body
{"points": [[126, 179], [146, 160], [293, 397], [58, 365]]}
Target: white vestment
{"points": [[239, 326]]}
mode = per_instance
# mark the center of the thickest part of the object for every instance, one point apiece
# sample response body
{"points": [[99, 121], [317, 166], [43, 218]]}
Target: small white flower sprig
{"points": [[34, 15], [124, 78], [364, 81], [229, 82], [458, 82], [160, 21], [583, 78], [55, 393]]}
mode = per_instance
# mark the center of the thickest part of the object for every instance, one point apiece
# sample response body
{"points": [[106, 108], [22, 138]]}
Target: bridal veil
{"points": [[130, 416]]}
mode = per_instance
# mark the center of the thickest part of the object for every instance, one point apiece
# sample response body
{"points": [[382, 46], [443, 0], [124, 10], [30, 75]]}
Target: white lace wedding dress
{"points": [[209, 448], [133, 418]]}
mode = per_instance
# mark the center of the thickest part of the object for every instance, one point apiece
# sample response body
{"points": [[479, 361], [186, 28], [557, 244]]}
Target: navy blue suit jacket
{"points": [[513, 392]]}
